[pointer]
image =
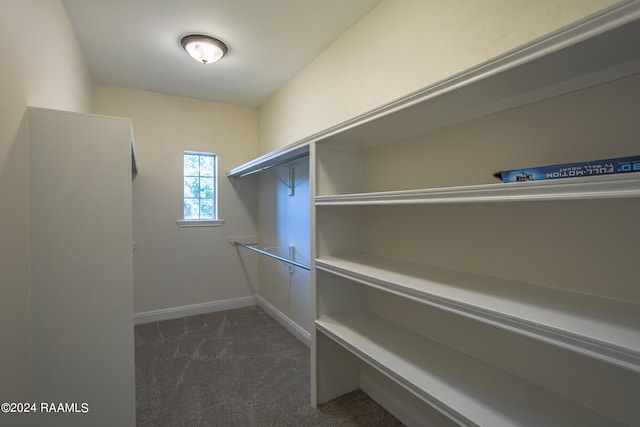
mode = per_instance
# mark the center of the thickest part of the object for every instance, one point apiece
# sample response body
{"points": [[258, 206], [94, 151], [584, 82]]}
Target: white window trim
{"points": [[217, 222], [200, 222]]}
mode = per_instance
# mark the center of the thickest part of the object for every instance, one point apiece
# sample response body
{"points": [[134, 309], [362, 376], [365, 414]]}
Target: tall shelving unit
{"points": [[421, 297], [81, 265], [453, 300]]}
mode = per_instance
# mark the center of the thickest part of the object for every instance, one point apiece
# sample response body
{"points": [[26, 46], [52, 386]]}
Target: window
{"points": [[200, 201]]}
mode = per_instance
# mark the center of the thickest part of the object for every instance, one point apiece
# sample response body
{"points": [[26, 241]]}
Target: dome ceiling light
{"points": [[204, 49]]}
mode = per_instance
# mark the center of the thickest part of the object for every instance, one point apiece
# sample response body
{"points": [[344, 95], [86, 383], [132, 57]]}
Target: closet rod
{"points": [[269, 254]]}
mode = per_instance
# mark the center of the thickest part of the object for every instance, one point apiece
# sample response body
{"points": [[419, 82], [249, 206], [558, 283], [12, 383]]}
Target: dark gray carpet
{"points": [[234, 368]]}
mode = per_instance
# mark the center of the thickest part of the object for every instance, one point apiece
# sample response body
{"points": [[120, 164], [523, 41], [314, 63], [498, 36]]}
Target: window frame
{"points": [[201, 222]]}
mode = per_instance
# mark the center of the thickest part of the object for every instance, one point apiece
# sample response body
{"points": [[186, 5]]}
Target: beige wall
{"points": [[400, 47], [51, 75], [176, 267]]}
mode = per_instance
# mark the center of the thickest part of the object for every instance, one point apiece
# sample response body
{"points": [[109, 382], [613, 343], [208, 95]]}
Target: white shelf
{"points": [[279, 157], [595, 331], [465, 389], [596, 51], [612, 186], [601, 328]]}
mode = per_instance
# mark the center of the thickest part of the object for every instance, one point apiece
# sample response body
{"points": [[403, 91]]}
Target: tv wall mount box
{"points": [[572, 170]]}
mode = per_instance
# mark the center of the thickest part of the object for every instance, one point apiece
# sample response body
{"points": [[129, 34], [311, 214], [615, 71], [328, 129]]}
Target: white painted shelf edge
{"points": [[598, 187], [270, 160], [600, 328], [461, 387]]}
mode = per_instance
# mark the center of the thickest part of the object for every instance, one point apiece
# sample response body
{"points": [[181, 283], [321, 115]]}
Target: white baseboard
{"points": [[294, 329], [194, 309], [230, 304]]}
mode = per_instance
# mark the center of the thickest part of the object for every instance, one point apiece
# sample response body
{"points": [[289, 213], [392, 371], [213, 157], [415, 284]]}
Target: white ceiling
{"points": [[136, 43]]}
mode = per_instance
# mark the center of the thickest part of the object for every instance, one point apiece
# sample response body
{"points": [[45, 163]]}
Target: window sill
{"points": [[200, 222]]}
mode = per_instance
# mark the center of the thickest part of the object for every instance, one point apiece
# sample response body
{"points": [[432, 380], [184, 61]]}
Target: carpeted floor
{"points": [[234, 368]]}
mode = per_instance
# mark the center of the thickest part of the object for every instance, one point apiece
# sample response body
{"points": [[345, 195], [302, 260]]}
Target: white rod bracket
{"points": [[292, 257], [292, 182]]}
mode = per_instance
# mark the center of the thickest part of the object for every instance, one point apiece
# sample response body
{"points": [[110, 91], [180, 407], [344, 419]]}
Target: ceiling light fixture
{"points": [[204, 49]]}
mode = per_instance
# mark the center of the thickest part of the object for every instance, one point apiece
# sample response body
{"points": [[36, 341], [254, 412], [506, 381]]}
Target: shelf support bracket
{"points": [[290, 183]]}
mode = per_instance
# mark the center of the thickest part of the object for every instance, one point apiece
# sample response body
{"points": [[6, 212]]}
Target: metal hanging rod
{"points": [[269, 254]]}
